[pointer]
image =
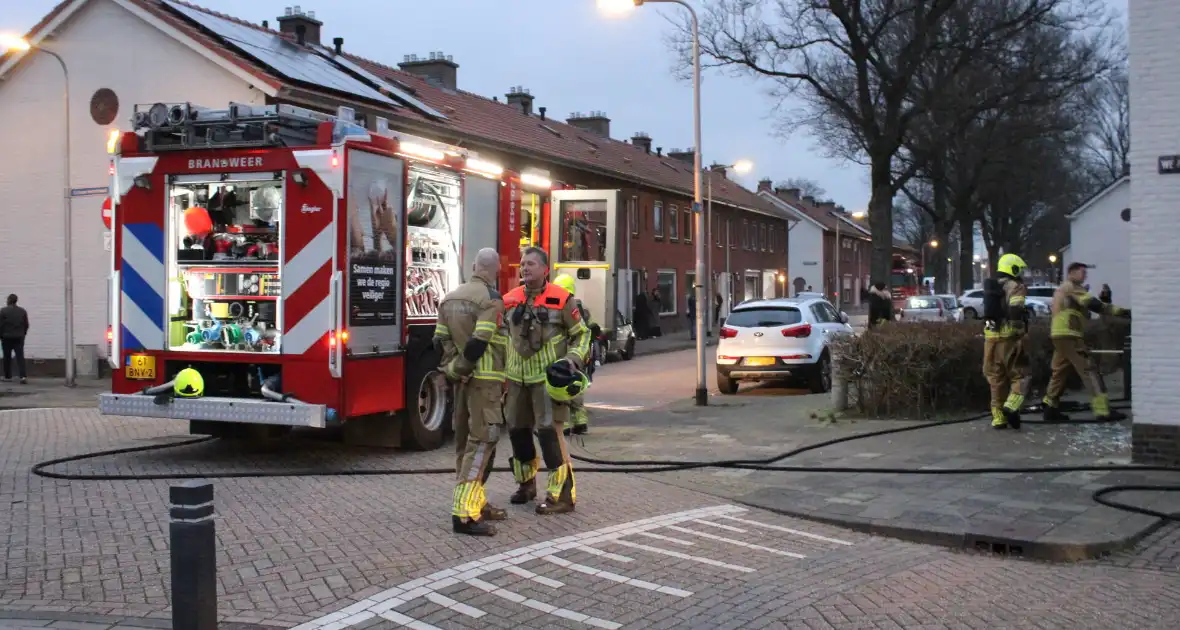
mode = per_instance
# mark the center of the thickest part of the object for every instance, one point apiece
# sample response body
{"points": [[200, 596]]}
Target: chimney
{"points": [[338, 44], [686, 155], [642, 140], [439, 70], [809, 200], [266, 24], [521, 99], [303, 26], [827, 205], [541, 111], [765, 185], [720, 169], [595, 122], [660, 151]]}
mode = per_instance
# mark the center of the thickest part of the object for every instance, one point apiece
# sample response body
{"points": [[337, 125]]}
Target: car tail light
{"points": [[798, 330], [728, 333]]}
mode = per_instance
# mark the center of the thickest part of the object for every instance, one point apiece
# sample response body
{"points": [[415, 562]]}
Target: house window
{"points": [[673, 223], [633, 215], [762, 236], [745, 234], [666, 282], [689, 225], [771, 238], [717, 228], [729, 235], [657, 219]]}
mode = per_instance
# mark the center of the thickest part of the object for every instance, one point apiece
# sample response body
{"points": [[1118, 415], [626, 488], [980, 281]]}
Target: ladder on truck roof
{"points": [[184, 126]]}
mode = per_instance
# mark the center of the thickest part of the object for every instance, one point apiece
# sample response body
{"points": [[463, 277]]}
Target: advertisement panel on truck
{"points": [[375, 264]]}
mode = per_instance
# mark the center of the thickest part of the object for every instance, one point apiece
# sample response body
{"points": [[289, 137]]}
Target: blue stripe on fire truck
{"points": [[144, 279]]}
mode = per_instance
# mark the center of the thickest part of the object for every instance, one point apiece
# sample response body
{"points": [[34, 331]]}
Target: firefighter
{"points": [[579, 417], [546, 337], [1005, 359], [470, 319], [1071, 302]]}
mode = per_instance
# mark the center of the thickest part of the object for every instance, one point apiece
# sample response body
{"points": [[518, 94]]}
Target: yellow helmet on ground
{"points": [[1012, 265], [189, 384], [564, 382], [565, 281]]}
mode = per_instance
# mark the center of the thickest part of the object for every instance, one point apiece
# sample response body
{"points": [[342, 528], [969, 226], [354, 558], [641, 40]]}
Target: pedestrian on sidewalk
{"points": [[692, 315], [717, 302], [641, 316], [14, 327], [880, 305], [469, 331]]}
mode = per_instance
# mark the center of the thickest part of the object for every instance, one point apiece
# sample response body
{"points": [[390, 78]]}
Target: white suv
{"points": [[779, 339], [1039, 301]]}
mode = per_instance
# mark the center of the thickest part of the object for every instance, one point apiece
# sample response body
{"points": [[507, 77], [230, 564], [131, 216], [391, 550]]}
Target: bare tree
{"points": [[1108, 146], [853, 64], [807, 187]]}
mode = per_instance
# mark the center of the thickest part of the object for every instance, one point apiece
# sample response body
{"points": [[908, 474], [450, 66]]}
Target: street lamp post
{"points": [[740, 167], [619, 6], [10, 43], [933, 245]]}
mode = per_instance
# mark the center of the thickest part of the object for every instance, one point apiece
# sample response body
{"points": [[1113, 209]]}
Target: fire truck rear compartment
{"points": [[225, 379]]}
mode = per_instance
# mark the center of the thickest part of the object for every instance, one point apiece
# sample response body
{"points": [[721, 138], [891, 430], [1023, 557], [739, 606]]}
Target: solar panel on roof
{"points": [[396, 93], [285, 58]]}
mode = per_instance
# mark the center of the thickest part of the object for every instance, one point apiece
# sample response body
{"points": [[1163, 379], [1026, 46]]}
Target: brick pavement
{"points": [[1049, 515], [294, 550]]}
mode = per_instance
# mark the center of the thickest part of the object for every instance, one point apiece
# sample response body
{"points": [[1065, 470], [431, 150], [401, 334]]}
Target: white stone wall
{"points": [[1100, 237], [103, 45], [1155, 209]]}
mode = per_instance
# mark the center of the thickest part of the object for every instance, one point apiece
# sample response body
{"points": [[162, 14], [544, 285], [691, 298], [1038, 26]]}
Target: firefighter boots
{"points": [[1053, 414], [526, 492], [471, 527], [493, 513], [554, 505]]}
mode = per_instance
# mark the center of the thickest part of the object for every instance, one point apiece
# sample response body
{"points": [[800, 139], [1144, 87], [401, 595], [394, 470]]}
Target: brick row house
{"points": [[125, 52], [816, 262]]}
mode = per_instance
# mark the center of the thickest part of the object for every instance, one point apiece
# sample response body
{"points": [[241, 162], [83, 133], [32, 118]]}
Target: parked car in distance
{"points": [[951, 303], [1039, 300], [779, 339], [972, 302], [927, 308]]}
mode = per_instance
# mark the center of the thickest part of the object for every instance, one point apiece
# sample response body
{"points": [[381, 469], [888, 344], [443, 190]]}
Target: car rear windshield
{"points": [[923, 302], [764, 317]]}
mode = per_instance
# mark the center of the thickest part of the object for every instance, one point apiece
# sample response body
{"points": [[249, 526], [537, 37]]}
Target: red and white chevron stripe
{"points": [[309, 245]]}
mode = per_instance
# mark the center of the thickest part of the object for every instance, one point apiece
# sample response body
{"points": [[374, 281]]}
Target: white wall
{"points": [[805, 256], [103, 46], [1155, 200], [1100, 237]]}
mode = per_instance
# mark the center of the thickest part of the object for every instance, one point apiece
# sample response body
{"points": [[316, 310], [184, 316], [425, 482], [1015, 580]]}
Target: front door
{"points": [[582, 244]]}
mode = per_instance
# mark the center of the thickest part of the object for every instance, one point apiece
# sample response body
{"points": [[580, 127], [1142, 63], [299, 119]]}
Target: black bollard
{"points": [[193, 547], [1127, 368]]}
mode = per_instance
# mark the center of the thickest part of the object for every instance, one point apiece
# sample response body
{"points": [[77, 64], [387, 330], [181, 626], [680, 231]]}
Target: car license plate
{"points": [[141, 367], [759, 361]]}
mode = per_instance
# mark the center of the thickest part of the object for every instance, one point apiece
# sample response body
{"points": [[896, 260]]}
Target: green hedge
{"points": [[918, 369]]}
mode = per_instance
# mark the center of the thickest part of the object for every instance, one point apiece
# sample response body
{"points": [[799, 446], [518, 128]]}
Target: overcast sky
{"points": [[573, 60]]}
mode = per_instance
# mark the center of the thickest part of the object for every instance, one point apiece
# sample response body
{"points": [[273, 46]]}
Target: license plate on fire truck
{"points": [[141, 367]]}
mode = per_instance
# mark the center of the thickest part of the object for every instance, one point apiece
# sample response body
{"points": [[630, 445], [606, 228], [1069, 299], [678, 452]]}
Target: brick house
{"points": [[124, 52]]}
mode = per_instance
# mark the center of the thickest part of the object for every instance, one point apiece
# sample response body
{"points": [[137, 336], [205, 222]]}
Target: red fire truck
{"points": [[296, 261], [905, 278]]}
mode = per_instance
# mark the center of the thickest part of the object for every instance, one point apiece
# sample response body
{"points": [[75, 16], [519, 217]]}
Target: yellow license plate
{"points": [[141, 367], [759, 361]]}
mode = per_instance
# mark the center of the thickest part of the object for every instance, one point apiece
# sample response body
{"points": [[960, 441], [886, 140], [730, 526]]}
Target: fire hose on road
{"points": [[772, 464]]}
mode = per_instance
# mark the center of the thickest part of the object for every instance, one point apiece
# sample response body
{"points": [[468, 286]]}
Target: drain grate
{"points": [[998, 547]]}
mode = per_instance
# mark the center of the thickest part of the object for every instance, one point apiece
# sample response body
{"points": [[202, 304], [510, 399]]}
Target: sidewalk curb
{"points": [[117, 622], [990, 543], [676, 348]]}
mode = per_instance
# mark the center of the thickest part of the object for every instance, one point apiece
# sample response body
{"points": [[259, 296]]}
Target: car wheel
{"points": [[726, 385], [628, 351], [969, 313], [821, 379]]}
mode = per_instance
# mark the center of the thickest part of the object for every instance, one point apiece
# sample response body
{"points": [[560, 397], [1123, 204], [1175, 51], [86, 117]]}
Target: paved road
{"points": [[364, 551]]}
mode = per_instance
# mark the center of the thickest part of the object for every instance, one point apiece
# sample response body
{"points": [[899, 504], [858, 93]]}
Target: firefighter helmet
{"points": [[189, 383], [564, 382], [1012, 265], [565, 281]]}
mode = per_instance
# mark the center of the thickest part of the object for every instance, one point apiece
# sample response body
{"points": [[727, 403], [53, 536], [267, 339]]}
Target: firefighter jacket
{"points": [[1015, 323], [1071, 302], [543, 327], [589, 321], [469, 325]]}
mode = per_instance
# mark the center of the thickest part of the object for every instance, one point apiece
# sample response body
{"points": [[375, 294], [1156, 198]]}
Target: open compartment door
{"points": [[376, 255], [583, 244], [481, 209]]}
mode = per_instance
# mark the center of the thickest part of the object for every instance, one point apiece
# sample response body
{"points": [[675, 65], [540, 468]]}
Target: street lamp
{"points": [[1053, 270], [617, 7], [839, 280], [13, 43], [933, 245], [741, 167]]}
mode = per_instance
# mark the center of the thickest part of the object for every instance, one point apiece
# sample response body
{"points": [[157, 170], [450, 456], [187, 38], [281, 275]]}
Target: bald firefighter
{"points": [[547, 344], [1005, 359], [468, 331], [1071, 302], [579, 416]]}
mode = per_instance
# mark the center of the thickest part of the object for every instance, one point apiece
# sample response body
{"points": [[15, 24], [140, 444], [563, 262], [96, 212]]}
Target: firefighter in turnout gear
{"points": [[470, 320], [544, 328], [579, 416], [1071, 302], [1005, 359]]}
